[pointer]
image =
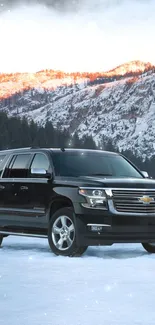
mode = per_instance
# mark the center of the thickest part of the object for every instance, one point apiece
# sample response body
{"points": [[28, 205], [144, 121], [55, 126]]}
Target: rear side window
{"points": [[2, 160], [19, 166], [40, 161]]}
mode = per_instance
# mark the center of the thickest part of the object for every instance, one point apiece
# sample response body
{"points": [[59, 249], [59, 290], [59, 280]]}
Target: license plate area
{"points": [[96, 228]]}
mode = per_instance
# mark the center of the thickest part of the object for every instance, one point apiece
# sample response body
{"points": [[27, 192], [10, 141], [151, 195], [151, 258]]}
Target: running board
{"points": [[21, 234]]}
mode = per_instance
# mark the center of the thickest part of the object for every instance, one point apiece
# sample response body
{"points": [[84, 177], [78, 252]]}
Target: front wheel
{"points": [[62, 234], [149, 247]]}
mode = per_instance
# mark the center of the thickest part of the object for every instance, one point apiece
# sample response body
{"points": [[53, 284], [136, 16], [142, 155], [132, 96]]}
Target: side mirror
{"points": [[145, 174], [40, 172]]}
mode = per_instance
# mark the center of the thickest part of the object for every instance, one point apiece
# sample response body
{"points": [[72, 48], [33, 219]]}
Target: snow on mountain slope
{"points": [[107, 285], [132, 66], [122, 110], [13, 83]]}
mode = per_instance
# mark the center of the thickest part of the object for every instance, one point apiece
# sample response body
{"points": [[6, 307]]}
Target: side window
{"points": [[19, 167], [2, 159], [40, 161]]}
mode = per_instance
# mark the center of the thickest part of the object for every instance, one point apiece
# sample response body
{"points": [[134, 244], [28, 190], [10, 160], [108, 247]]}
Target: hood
{"points": [[106, 182]]}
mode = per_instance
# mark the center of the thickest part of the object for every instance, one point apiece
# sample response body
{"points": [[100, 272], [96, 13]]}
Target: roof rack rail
{"points": [[15, 149], [20, 148], [23, 148]]}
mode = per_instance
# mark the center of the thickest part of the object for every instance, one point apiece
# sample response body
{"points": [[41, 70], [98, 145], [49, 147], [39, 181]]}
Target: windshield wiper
{"points": [[100, 174]]}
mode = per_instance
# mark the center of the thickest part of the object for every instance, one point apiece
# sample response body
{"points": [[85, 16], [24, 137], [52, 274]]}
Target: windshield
{"points": [[76, 164]]}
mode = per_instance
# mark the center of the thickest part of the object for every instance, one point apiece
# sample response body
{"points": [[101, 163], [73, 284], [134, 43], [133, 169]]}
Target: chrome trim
{"points": [[91, 188], [120, 188], [145, 174], [108, 192], [38, 171], [21, 234], [24, 180], [130, 201], [136, 214], [40, 211], [92, 196], [98, 224], [18, 149], [132, 189], [4, 167]]}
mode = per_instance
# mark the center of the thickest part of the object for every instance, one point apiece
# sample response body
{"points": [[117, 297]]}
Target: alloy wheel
{"points": [[63, 233]]}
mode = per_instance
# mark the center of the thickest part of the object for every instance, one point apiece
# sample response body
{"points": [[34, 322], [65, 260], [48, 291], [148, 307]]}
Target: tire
{"points": [[62, 234], [149, 247], [1, 239]]}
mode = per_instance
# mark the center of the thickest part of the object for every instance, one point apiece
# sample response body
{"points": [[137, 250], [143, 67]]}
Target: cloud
{"points": [[87, 35]]}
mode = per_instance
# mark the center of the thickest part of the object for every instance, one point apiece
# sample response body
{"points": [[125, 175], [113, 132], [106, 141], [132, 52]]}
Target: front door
{"points": [[40, 189]]}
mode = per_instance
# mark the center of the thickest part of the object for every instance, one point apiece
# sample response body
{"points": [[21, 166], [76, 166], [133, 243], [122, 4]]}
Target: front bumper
{"points": [[116, 227]]}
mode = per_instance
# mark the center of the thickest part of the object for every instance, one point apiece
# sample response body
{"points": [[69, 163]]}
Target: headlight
{"points": [[95, 198]]}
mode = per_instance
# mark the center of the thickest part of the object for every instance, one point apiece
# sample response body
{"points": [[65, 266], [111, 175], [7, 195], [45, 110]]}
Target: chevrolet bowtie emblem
{"points": [[146, 199]]}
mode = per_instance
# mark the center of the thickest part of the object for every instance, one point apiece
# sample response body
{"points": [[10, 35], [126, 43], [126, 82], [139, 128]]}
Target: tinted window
{"points": [[2, 158], [91, 164], [40, 161], [19, 168]]}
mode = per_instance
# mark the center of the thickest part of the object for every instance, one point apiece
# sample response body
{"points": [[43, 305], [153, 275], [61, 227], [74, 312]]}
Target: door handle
{"points": [[2, 187], [24, 188]]}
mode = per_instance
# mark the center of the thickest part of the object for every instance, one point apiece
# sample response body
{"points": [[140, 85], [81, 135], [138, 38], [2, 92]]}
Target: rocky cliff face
{"points": [[117, 105]]}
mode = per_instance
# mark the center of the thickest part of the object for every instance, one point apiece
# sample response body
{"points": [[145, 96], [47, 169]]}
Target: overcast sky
{"points": [[86, 35]]}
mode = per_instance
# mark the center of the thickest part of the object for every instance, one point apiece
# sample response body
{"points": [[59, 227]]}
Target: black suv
{"points": [[75, 198]]}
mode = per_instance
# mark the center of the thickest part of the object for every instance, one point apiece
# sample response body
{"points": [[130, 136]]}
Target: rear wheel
{"points": [[149, 247], [1, 239], [62, 234]]}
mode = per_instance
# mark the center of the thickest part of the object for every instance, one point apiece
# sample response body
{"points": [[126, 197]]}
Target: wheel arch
{"points": [[59, 203]]}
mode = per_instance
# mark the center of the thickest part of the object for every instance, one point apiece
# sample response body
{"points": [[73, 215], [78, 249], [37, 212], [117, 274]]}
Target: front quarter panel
{"points": [[70, 193]]}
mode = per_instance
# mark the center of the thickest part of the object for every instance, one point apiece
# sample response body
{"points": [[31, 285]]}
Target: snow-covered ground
{"points": [[106, 286]]}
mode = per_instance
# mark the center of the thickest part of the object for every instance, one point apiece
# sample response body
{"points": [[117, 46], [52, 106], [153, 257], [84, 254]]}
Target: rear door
{"points": [[25, 199], [5, 188], [13, 205]]}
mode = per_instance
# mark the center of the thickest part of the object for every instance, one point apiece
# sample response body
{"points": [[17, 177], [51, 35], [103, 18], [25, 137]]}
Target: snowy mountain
{"points": [[117, 105]]}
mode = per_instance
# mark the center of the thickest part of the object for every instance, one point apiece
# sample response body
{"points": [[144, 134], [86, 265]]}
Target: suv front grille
{"points": [[134, 201]]}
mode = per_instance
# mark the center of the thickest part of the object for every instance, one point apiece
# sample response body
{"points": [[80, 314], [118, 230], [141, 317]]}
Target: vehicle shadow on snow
{"points": [[115, 252], [111, 252], [31, 247]]}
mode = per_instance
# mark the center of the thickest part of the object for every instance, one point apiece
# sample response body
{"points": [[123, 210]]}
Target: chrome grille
{"points": [[129, 201]]}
